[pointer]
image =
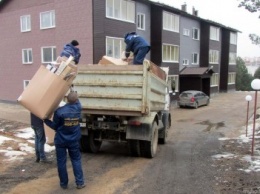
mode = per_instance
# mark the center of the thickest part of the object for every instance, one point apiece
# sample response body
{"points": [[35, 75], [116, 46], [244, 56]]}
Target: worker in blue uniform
{"points": [[72, 49], [66, 125], [137, 45]]}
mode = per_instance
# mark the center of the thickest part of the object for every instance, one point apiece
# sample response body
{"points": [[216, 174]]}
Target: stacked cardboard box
{"points": [[106, 60], [47, 88]]}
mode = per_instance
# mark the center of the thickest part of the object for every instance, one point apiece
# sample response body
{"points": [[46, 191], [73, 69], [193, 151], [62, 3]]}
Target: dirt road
{"points": [[182, 166]]}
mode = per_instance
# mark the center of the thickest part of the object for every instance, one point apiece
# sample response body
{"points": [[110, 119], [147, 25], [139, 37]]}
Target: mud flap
{"points": [[143, 131]]}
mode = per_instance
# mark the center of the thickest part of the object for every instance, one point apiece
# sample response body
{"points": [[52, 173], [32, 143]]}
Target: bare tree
{"points": [[252, 6]]}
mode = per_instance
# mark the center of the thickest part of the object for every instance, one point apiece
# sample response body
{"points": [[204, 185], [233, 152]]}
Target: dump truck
{"points": [[126, 104]]}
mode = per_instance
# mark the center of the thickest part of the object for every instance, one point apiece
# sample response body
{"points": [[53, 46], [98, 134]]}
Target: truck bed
{"points": [[129, 90]]}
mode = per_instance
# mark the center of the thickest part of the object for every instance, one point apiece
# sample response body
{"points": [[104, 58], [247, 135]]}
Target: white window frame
{"points": [[186, 32], [53, 54], [50, 16], [194, 32], [176, 80], [232, 58], [173, 50], [25, 83], [194, 62], [25, 23], [171, 22], [121, 45], [213, 56], [185, 62], [231, 78], [214, 80], [125, 11], [26, 56], [233, 38], [214, 33], [140, 23]]}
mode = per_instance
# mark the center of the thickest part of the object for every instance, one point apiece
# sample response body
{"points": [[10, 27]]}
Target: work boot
{"points": [[64, 186], [81, 186], [45, 161]]}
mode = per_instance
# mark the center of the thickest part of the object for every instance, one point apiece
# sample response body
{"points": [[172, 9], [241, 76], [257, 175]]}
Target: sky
{"points": [[226, 12]]}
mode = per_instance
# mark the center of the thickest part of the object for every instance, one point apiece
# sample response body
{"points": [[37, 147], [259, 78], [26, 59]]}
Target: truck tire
{"points": [[148, 148], [164, 132], [89, 144], [134, 148]]}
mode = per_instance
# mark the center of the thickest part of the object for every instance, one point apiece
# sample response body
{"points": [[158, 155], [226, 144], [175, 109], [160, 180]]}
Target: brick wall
{"points": [[73, 21]]}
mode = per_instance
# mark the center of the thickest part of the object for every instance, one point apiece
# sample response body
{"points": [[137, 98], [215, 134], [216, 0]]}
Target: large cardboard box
{"points": [[45, 91], [106, 60]]}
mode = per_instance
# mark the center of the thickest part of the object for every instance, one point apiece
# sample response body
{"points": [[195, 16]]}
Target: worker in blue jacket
{"points": [[138, 46], [66, 125], [72, 49]]}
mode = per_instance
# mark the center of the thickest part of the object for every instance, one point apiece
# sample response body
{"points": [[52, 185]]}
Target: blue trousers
{"points": [[140, 55], [40, 140], [75, 157]]}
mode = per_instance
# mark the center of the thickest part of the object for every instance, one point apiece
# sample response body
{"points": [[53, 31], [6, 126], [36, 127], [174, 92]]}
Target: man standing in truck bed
{"points": [[138, 46]]}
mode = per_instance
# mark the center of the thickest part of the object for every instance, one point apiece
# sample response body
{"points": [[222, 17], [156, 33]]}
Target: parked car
{"points": [[193, 98]]}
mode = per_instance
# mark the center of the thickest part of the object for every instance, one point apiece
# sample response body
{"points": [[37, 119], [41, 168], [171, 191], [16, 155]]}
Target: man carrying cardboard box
{"points": [[138, 45], [66, 125]]}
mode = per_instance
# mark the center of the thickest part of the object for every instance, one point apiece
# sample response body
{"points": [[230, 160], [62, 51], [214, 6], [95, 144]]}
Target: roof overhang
{"points": [[202, 72]]}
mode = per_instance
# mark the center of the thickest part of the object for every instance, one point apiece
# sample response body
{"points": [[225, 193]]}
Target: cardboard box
{"points": [[156, 70], [44, 92], [49, 132], [106, 60]]}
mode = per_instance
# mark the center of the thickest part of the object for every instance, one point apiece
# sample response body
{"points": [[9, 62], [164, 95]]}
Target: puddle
{"points": [[212, 126]]}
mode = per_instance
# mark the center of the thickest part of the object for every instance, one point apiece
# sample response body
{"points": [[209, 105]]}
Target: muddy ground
{"points": [[23, 175]]}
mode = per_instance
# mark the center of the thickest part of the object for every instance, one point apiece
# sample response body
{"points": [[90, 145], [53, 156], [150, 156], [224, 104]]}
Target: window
{"points": [[140, 21], [214, 81], [27, 56], [170, 22], [213, 56], [25, 83], [186, 32], [47, 19], [195, 58], [195, 33], [170, 53], [121, 10], [25, 22], [114, 47], [214, 33], [233, 38], [232, 58], [48, 54], [174, 81], [185, 61], [231, 78]]}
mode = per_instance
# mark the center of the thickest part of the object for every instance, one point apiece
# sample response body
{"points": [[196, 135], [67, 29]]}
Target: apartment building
{"points": [[199, 53]]}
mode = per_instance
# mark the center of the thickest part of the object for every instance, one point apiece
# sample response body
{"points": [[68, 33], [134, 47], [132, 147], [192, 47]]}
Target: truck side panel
{"points": [[130, 90]]}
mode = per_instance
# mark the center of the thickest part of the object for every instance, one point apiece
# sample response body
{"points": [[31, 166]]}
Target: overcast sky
{"points": [[226, 12]]}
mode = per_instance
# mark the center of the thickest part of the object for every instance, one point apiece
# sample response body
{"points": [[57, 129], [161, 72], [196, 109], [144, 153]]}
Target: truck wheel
{"points": [[148, 148], [89, 144], [134, 148], [164, 132]]}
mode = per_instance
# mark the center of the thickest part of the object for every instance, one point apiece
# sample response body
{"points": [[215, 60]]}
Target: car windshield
{"points": [[186, 95]]}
